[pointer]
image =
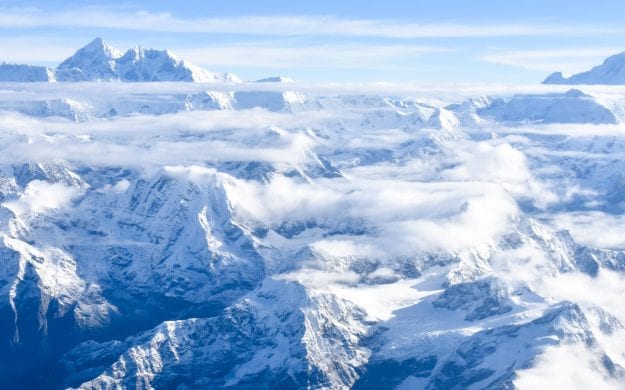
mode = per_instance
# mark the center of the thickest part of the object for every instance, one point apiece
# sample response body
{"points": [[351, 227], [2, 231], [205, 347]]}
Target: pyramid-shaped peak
{"points": [[95, 61], [99, 46], [575, 93], [444, 119], [97, 42], [95, 52]]}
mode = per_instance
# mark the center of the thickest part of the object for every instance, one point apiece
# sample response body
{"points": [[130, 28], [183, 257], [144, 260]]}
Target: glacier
{"points": [[280, 234]]}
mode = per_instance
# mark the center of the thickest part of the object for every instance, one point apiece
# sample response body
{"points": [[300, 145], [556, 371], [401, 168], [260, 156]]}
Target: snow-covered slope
{"points": [[279, 344], [26, 73], [275, 79], [611, 71], [270, 100], [65, 108], [573, 106], [139, 64]]}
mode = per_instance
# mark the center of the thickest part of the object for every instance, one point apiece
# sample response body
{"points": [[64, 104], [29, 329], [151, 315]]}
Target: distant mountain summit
{"points": [[276, 79], [98, 61], [611, 71]]}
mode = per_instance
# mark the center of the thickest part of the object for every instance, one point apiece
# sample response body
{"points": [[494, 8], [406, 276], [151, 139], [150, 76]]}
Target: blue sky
{"points": [[414, 41]]}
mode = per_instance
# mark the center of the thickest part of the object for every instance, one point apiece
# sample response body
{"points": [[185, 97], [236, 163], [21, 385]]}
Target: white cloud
{"points": [[344, 248], [40, 196], [472, 200], [594, 228], [569, 366], [498, 163], [404, 218], [446, 93], [478, 221], [569, 60], [141, 141], [582, 288], [523, 265], [320, 278], [579, 130], [576, 366], [283, 199], [118, 188]]}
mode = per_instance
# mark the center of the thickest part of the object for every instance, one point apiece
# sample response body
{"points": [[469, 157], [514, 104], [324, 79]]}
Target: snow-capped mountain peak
{"points": [[95, 61], [96, 50], [276, 79], [555, 78]]}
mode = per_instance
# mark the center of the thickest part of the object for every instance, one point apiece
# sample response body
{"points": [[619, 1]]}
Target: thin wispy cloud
{"points": [[109, 18]]}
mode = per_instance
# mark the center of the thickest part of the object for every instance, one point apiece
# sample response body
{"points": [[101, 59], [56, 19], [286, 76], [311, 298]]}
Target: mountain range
{"points": [[259, 235], [98, 61]]}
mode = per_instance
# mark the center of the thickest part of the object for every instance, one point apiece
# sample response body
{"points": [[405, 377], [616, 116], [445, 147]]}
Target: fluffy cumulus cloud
{"points": [[403, 218], [284, 199], [345, 248], [40, 196], [595, 228], [498, 163], [571, 366]]}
